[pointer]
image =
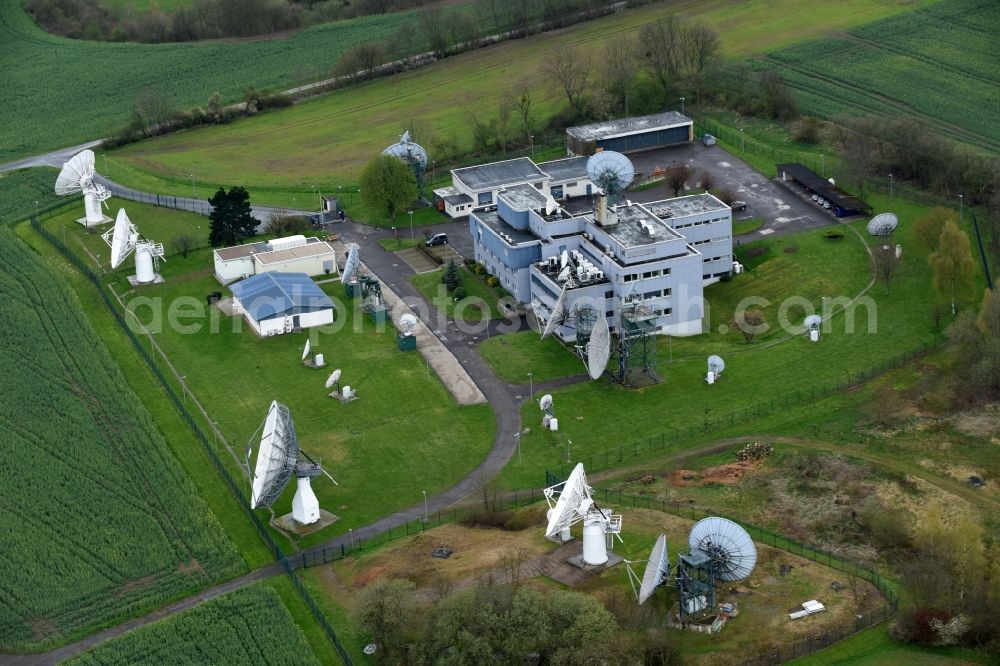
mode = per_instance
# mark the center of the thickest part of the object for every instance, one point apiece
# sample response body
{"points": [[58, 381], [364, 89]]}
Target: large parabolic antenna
{"points": [[610, 171], [123, 239], [77, 175], [598, 347], [883, 224], [352, 264], [727, 545], [276, 457], [408, 150], [558, 314], [657, 570], [574, 505]]}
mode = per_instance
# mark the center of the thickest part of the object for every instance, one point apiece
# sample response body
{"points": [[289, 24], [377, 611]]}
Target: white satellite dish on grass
{"points": [[576, 504], [77, 175], [123, 239], [548, 419], [715, 367], [407, 324], [812, 324], [333, 379], [657, 571], [306, 349], [545, 403], [278, 459], [598, 347], [883, 224], [727, 545]]}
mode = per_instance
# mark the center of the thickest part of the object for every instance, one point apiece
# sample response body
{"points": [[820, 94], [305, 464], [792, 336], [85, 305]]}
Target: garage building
{"points": [[629, 135], [276, 303], [292, 254], [841, 203]]}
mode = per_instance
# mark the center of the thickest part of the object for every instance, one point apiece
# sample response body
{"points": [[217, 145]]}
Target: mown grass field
{"points": [[937, 63], [480, 302], [597, 416], [371, 446], [325, 142], [83, 460], [61, 91], [248, 626]]}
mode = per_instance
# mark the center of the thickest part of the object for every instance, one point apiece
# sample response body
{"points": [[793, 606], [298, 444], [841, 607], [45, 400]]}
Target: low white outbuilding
{"points": [[293, 254], [276, 303]]}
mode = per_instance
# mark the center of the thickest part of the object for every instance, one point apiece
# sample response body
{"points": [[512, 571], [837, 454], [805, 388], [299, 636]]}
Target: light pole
{"points": [[426, 515], [531, 386], [682, 106], [822, 160], [961, 208], [194, 190], [531, 141], [36, 216], [433, 163], [569, 450], [742, 143], [517, 436], [319, 202], [107, 173], [411, 224], [890, 187]]}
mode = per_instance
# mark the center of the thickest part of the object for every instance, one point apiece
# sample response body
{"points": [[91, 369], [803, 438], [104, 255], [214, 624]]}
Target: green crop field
{"points": [[21, 189], [938, 63], [325, 142], [62, 91], [248, 626], [100, 519]]}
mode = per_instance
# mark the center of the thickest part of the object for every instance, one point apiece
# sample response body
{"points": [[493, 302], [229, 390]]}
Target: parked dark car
{"points": [[436, 239], [739, 205]]}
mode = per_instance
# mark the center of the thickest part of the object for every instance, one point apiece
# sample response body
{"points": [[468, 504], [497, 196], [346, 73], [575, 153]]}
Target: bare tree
{"points": [[510, 562], [886, 262], [749, 323], [661, 45], [620, 69], [503, 124], [706, 180], [569, 69], [183, 244], [677, 176]]}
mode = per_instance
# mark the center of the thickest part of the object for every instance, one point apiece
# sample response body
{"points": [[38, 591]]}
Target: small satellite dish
{"points": [[883, 224], [610, 171], [563, 259], [407, 322], [370, 649], [545, 403], [657, 570], [598, 347], [77, 175], [716, 364], [728, 546], [558, 314], [333, 378], [305, 350], [813, 322], [352, 263], [550, 204]]}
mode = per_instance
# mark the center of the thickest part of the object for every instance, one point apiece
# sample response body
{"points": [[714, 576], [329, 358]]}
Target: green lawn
{"points": [[285, 153], [391, 245], [369, 444], [513, 356], [250, 625], [741, 227], [480, 300], [875, 648]]}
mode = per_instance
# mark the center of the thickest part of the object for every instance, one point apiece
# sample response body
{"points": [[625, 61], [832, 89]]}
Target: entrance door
{"points": [[590, 189], [295, 322]]}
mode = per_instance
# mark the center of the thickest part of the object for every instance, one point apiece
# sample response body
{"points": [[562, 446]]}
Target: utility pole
{"points": [[682, 106], [531, 386]]}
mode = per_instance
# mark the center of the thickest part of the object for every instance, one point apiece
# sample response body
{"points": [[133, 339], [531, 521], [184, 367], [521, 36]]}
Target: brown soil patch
{"points": [[42, 628], [190, 568], [727, 474], [137, 584], [370, 575]]}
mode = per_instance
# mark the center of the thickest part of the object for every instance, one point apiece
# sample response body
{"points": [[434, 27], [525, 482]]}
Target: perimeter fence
{"points": [[234, 485]]}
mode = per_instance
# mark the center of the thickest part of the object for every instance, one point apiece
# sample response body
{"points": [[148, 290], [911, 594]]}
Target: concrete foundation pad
{"points": [[104, 220], [577, 561], [288, 524], [158, 279]]}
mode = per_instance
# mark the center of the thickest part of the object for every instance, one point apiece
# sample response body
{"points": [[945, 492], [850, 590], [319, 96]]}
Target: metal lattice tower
{"points": [[634, 355], [586, 316]]}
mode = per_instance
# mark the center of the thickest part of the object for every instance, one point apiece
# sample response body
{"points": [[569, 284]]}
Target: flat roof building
{"points": [[296, 254], [841, 203], [276, 303], [627, 135]]}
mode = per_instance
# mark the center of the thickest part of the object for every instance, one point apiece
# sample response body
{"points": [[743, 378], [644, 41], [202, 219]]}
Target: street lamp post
{"points": [[517, 436], [411, 224], [742, 143], [822, 160], [531, 386], [531, 141], [682, 106], [890, 186], [961, 208], [194, 190], [36, 211], [426, 515], [569, 450]]}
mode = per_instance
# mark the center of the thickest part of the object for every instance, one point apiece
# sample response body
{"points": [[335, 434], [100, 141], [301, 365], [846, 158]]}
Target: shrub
{"points": [[492, 281], [459, 293]]}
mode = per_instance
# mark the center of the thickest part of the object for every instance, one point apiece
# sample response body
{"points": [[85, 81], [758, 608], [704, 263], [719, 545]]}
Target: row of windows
{"points": [[710, 240], [647, 275], [699, 223], [719, 258], [648, 296]]}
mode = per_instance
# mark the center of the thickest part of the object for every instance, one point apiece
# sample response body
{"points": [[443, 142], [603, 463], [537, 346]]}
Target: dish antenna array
{"points": [[715, 367], [576, 504], [813, 323], [720, 550], [883, 224], [77, 175], [278, 459], [656, 573], [414, 155], [611, 172], [123, 239]]}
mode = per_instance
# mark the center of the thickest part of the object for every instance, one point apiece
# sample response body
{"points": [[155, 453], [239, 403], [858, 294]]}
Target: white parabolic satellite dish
{"points": [[276, 457], [305, 350], [727, 544], [574, 502], [352, 263], [545, 404], [333, 378], [77, 175], [883, 224], [558, 314], [407, 322], [123, 238], [813, 322], [657, 569], [716, 364], [598, 348], [610, 171]]}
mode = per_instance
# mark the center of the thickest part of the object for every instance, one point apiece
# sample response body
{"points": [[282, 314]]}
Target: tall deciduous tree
{"points": [[230, 221], [952, 264], [620, 68], [927, 229], [569, 70], [388, 184]]}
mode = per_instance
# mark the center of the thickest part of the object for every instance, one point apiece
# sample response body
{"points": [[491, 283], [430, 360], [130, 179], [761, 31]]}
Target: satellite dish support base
{"points": [[89, 223], [290, 526], [134, 280], [578, 562]]}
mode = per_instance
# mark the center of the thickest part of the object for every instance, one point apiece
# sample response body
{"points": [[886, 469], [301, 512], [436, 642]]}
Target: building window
{"points": [[557, 192], [570, 184], [485, 198], [609, 294]]}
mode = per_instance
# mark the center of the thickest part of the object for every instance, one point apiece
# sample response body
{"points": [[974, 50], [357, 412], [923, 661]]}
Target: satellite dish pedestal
{"points": [[305, 506], [77, 175], [600, 526]]}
